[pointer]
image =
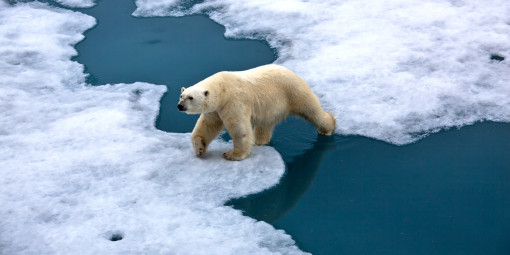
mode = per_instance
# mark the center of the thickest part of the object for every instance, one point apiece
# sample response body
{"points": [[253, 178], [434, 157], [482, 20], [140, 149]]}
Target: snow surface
{"points": [[80, 165], [149, 6], [77, 3], [394, 70]]}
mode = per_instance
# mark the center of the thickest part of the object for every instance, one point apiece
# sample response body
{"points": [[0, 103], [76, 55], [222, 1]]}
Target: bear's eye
{"points": [[190, 98]]}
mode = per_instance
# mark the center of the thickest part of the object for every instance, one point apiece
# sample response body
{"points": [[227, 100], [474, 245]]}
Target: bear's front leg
{"points": [[242, 148], [237, 154], [199, 145], [242, 136], [206, 130]]}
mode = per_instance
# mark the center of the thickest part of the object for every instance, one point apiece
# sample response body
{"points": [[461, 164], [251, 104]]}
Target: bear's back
{"points": [[273, 91]]}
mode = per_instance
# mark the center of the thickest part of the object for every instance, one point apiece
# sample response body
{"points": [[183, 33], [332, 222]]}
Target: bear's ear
{"points": [[182, 89], [206, 93]]}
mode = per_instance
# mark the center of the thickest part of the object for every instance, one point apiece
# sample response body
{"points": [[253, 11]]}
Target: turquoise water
{"points": [[446, 194]]}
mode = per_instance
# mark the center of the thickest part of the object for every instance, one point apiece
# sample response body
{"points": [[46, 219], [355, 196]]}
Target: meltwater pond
{"points": [[446, 194]]}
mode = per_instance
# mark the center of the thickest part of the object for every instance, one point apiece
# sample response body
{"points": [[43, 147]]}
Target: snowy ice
{"points": [[84, 171], [394, 70], [150, 6], [76, 3]]}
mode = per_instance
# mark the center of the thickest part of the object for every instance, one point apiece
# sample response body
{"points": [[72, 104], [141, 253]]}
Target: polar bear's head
{"points": [[194, 100]]}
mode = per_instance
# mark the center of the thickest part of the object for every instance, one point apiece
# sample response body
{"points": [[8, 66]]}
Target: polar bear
{"points": [[249, 104]]}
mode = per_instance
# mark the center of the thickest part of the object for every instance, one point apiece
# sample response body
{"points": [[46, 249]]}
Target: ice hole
{"points": [[497, 57], [117, 236]]}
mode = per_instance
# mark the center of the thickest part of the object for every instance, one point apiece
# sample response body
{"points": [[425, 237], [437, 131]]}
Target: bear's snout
{"points": [[181, 107]]}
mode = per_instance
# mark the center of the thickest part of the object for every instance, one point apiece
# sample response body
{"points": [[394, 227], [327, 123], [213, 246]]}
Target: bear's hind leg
{"points": [[323, 121], [208, 127], [263, 134], [327, 124]]}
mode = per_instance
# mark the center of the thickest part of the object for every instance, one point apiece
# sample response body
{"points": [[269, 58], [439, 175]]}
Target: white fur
{"points": [[249, 104]]}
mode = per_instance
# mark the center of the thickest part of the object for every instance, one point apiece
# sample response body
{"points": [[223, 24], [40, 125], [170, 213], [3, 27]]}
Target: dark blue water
{"points": [[177, 52], [446, 194]]}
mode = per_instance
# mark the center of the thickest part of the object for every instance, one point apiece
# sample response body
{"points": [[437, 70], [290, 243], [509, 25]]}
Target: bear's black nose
{"points": [[180, 107]]}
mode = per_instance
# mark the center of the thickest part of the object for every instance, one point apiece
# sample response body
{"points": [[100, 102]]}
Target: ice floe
{"points": [[394, 70], [76, 3], [84, 171]]}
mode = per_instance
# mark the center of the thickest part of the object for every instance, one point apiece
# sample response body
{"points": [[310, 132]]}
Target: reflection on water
{"points": [[303, 157], [449, 193]]}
